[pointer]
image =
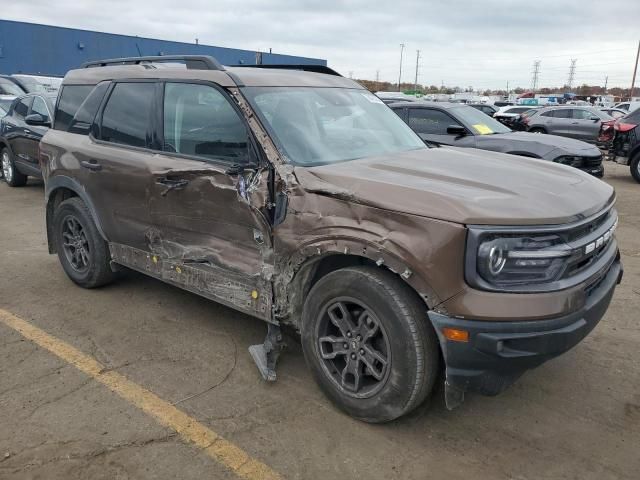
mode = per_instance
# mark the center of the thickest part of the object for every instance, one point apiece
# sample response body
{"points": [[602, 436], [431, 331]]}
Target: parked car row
{"points": [[301, 199]]}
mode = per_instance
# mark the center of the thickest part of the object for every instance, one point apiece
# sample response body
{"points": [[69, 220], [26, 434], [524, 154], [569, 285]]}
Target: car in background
{"points": [[37, 83], [26, 122], [520, 122], [3, 110], [484, 108], [502, 103], [581, 123], [10, 88], [443, 123], [508, 115], [392, 97], [5, 102], [613, 112], [628, 106], [625, 147]]}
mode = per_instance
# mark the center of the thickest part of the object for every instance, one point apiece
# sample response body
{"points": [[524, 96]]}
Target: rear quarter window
{"points": [[71, 97]]}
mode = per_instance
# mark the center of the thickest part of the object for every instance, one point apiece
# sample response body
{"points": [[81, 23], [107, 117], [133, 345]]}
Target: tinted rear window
{"points": [[127, 116], [71, 97]]}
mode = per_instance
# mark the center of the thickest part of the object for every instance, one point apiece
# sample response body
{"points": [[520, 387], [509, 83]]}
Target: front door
{"points": [[207, 209], [585, 125], [34, 133], [16, 131]]}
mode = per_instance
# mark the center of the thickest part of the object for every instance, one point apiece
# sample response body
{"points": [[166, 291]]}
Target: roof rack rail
{"points": [[192, 62], [306, 68]]}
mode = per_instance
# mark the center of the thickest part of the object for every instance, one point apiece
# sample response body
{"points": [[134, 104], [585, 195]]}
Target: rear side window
{"points": [[126, 118], [86, 114], [22, 107], [426, 120], [71, 97], [200, 121]]}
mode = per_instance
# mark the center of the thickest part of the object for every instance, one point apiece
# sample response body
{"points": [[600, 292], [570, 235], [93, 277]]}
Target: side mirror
{"points": [[37, 120], [458, 130], [595, 119]]}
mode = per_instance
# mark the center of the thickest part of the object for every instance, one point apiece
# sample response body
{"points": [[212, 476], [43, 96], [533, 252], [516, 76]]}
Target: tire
{"points": [[402, 336], [634, 165], [82, 251], [537, 130], [12, 176]]}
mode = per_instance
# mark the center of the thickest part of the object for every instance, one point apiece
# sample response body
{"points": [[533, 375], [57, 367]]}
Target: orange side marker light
{"points": [[455, 335]]}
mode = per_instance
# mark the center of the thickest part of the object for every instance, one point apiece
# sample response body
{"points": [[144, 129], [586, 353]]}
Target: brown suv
{"points": [[300, 198]]}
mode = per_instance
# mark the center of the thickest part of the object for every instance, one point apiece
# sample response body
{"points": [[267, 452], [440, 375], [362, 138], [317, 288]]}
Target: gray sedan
{"points": [[443, 123], [581, 123]]}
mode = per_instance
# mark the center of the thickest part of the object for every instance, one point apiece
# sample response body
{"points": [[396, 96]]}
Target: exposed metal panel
{"points": [[48, 50]]}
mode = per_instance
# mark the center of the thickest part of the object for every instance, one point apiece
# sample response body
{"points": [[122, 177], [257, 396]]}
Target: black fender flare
{"points": [[52, 185]]}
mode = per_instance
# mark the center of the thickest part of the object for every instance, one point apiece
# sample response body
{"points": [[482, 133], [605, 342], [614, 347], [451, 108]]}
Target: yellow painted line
{"points": [[221, 450]]}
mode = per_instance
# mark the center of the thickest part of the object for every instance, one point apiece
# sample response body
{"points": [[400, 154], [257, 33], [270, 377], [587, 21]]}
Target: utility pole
{"points": [[400, 74], [535, 75], [507, 90], [635, 69], [415, 84], [606, 81], [572, 73]]}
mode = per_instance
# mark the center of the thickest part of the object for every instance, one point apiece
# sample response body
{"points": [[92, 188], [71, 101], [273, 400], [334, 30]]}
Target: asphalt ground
{"points": [[140, 380]]}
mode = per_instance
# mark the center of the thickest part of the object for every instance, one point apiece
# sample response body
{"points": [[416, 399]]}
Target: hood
{"points": [[544, 146], [463, 185]]}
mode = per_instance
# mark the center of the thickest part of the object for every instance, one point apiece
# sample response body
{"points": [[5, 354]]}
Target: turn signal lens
{"points": [[455, 335]]}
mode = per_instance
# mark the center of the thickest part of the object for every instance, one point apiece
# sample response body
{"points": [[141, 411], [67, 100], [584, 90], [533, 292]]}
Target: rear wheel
{"points": [[538, 130], [369, 343], [12, 176], [82, 251], [634, 165]]}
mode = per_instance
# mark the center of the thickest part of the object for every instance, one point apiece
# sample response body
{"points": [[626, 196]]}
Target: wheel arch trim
{"points": [[54, 184]]}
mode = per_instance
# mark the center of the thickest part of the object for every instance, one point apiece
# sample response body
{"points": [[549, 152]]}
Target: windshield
{"points": [[480, 123], [319, 126], [7, 87]]}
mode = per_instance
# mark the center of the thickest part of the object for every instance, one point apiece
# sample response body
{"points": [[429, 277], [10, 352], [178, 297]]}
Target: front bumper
{"points": [[498, 353], [597, 171]]}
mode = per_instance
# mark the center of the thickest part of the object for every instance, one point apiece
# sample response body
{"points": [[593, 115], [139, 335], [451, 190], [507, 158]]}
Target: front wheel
{"points": [[368, 341], [634, 165], [537, 130]]}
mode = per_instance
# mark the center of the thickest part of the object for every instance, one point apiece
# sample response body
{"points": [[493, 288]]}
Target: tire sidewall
{"points": [[391, 400], [635, 168], [66, 209]]}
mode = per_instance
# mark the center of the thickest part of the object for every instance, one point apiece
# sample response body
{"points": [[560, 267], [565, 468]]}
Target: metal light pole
{"points": [[635, 69], [400, 74]]}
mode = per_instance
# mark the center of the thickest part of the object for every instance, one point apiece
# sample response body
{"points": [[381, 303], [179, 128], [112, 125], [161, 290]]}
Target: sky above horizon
{"points": [[465, 43]]}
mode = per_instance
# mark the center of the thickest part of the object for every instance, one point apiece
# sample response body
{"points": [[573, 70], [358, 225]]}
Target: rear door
{"points": [[560, 122], [431, 125]]}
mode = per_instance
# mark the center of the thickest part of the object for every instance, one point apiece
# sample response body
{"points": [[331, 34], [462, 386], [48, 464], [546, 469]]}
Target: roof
{"points": [[423, 104], [228, 77]]}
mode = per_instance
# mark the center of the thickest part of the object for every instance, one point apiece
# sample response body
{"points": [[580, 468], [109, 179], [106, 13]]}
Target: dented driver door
{"points": [[208, 210]]}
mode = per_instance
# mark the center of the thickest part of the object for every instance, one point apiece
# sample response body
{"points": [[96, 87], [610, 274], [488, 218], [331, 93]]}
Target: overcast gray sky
{"points": [[465, 43]]}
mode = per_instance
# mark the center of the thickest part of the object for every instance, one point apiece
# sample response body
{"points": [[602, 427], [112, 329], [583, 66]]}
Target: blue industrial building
{"points": [[47, 50]]}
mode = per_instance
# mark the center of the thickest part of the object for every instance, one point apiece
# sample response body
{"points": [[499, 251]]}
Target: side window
{"points": [[21, 107], [126, 118], [71, 97], [550, 113], [624, 106], [580, 114], [40, 107], [86, 114], [200, 121], [563, 113], [426, 120]]}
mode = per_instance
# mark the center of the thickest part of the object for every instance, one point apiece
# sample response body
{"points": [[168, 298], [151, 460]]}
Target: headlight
{"points": [[538, 258], [505, 261]]}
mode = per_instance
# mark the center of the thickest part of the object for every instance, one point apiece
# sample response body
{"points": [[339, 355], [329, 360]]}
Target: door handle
{"points": [[171, 184], [26, 130], [91, 165]]}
